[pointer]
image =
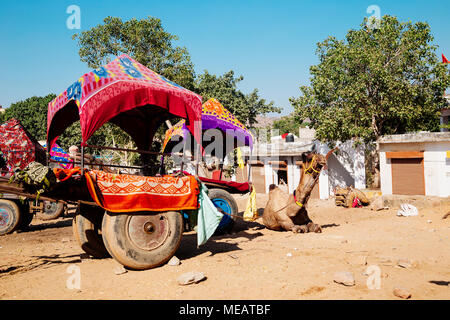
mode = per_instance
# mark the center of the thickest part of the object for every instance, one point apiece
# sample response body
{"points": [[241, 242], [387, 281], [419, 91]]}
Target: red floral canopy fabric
{"points": [[17, 147], [127, 94]]}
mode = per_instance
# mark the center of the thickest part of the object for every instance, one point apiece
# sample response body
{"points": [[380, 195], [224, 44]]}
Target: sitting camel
{"points": [[285, 211]]}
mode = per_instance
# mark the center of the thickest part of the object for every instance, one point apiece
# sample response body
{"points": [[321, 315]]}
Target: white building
{"points": [[415, 164], [279, 162]]}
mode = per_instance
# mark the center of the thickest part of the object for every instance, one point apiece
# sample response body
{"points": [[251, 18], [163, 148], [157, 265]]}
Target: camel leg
{"points": [[288, 225], [302, 219], [300, 229], [313, 227]]}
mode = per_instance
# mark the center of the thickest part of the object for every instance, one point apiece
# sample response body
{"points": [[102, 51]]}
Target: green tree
{"points": [[243, 106], [147, 42], [379, 81], [32, 114], [287, 124], [144, 40]]}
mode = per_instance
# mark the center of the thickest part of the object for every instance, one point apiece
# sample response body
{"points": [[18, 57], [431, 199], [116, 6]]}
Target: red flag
{"points": [[444, 59]]}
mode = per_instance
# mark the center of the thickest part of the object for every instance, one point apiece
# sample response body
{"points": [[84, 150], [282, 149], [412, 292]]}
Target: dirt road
{"points": [[252, 263]]}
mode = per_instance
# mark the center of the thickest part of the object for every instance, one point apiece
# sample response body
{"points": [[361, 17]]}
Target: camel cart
{"points": [[135, 219], [222, 133], [18, 148]]}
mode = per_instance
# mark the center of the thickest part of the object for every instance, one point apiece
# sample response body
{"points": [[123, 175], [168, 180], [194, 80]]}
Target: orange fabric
{"points": [[128, 193], [216, 175], [64, 174]]}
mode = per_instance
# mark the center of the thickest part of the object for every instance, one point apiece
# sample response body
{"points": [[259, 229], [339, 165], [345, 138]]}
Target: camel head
{"points": [[313, 164]]}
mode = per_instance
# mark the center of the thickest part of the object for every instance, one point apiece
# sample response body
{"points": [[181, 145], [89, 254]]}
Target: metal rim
{"points": [[225, 207], [147, 232], [50, 207], [5, 218]]}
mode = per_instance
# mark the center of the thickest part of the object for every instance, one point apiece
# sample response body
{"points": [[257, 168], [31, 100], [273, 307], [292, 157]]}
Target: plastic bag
{"points": [[407, 210]]}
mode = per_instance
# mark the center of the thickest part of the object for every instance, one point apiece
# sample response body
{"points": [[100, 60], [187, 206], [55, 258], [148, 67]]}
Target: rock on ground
{"points": [[378, 204], [190, 277], [174, 261], [120, 270], [346, 278], [357, 260], [406, 263], [402, 293]]}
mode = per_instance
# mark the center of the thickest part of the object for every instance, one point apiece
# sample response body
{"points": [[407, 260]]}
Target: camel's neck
{"points": [[306, 186]]}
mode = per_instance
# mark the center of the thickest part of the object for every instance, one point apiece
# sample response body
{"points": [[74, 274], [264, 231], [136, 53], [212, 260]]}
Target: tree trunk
{"points": [[372, 163]]}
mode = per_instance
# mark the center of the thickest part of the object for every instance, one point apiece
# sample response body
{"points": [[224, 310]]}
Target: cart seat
{"points": [[230, 186]]}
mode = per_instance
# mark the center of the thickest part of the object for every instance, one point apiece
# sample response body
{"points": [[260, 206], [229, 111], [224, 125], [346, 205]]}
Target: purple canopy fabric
{"points": [[214, 116]]}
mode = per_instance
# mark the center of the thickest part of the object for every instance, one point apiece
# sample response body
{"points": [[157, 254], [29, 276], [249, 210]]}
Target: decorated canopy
{"points": [[214, 116], [58, 154], [18, 147], [126, 93]]}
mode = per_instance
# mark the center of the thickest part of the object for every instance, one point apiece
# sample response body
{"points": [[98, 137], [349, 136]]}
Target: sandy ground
{"points": [[251, 263]]}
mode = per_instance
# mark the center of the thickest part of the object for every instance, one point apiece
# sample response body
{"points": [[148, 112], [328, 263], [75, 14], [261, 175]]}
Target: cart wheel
{"points": [[87, 226], [52, 210], [226, 203], [25, 215], [142, 240], [9, 216]]}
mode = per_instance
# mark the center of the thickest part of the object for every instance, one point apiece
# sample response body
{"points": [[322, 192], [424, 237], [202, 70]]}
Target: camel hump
{"points": [[272, 186]]}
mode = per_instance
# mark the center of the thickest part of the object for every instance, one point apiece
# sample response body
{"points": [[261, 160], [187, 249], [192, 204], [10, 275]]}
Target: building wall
{"points": [[345, 168], [436, 166]]}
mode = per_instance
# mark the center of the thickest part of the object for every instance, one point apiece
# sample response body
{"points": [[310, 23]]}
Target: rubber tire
{"points": [[14, 215], [25, 215], [55, 212], [224, 195], [87, 225], [121, 248]]}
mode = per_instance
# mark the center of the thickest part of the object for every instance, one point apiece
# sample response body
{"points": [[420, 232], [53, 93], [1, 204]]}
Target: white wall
{"points": [[345, 167], [385, 174], [291, 168], [270, 175]]}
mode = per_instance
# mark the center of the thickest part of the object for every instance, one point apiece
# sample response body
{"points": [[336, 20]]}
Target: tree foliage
{"points": [[32, 114], [144, 40], [287, 124], [375, 82], [243, 106], [147, 42]]}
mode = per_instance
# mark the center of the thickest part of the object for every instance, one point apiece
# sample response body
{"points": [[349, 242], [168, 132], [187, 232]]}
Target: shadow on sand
{"points": [[40, 262], [67, 222], [440, 283], [188, 248]]}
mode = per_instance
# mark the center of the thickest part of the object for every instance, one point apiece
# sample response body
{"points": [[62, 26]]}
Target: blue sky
{"points": [[271, 43]]}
